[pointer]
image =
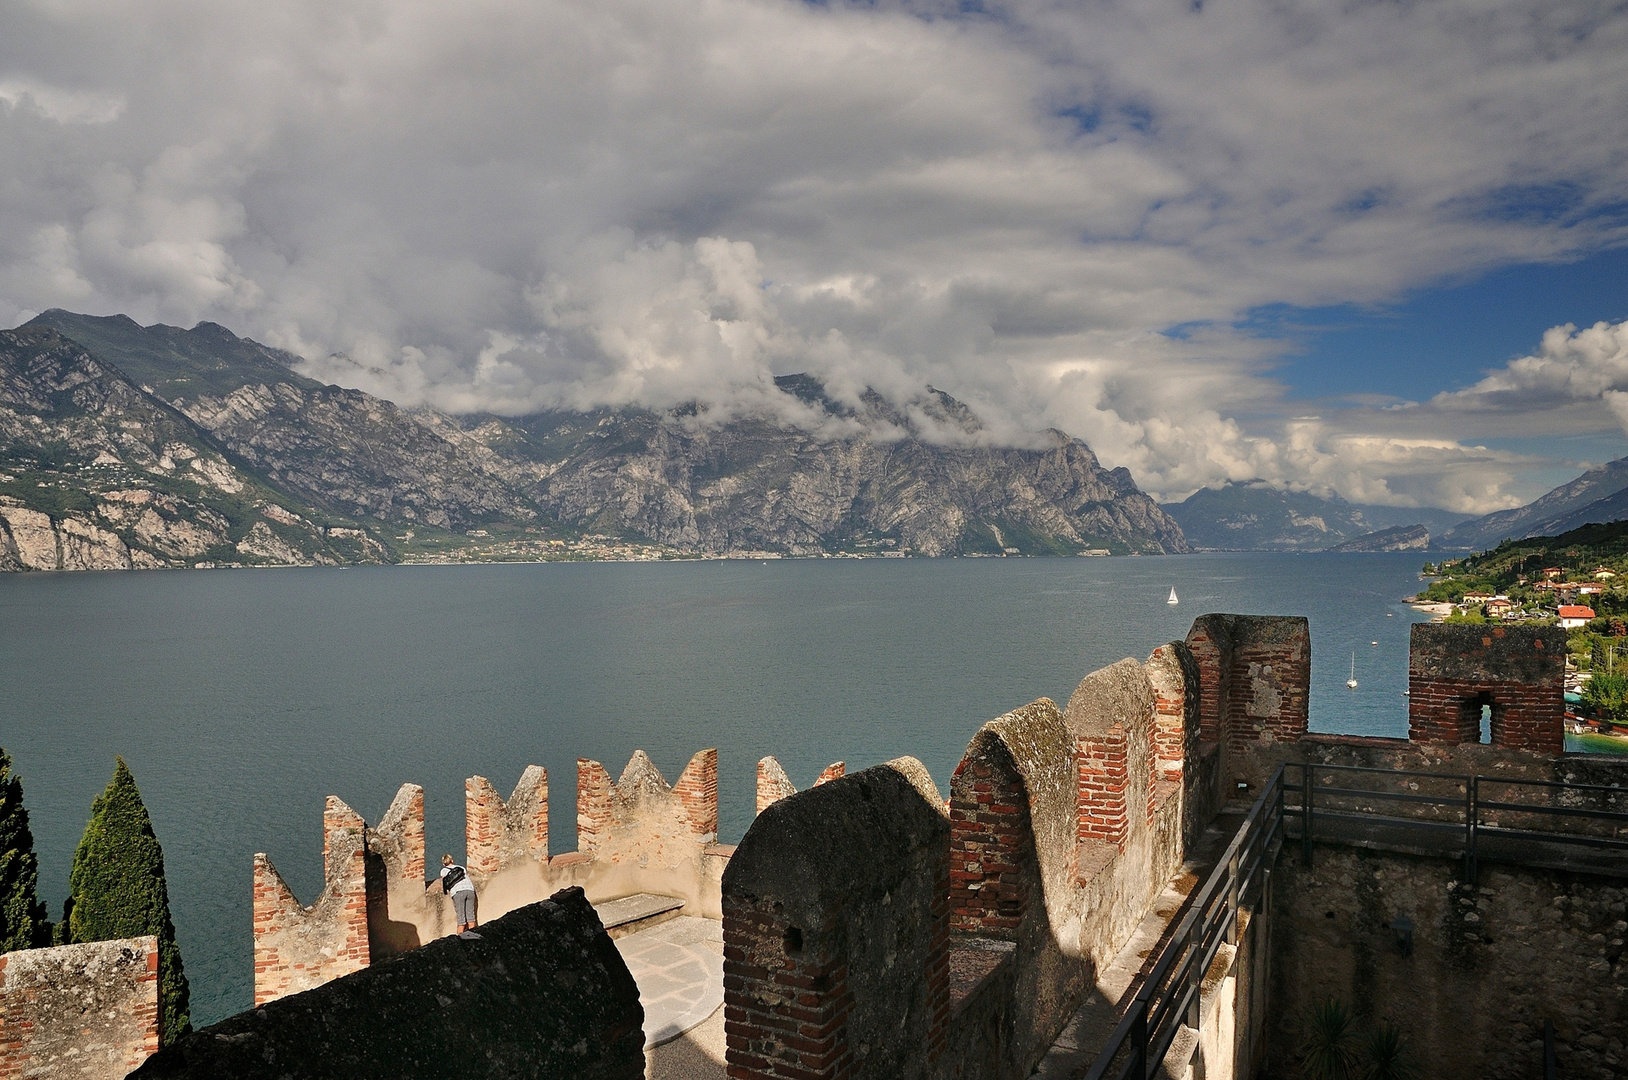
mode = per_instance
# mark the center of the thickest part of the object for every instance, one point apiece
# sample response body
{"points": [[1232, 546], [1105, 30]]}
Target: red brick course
{"points": [[1104, 770], [992, 852], [697, 790]]}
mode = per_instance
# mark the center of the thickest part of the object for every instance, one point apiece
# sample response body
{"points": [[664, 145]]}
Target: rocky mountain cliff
{"points": [[98, 474], [1400, 538], [1599, 495], [753, 483], [231, 443]]}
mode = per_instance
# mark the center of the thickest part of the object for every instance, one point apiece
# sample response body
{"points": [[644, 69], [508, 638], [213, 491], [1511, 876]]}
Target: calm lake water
{"points": [[241, 699]]}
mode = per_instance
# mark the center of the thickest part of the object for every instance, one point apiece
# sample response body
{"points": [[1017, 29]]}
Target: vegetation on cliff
{"points": [[22, 916], [117, 890], [131, 446]]}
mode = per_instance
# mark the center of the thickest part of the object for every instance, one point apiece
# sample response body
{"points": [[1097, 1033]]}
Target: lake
{"points": [[241, 698]]}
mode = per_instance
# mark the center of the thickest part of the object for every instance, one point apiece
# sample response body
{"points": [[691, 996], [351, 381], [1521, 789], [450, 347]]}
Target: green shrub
{"points": [[22, 917], [117, 890], [1329, 1050], [1386, 1054], [1607, 695]]}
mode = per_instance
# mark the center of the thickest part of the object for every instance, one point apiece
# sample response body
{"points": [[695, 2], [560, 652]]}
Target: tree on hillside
{"points": [[22, 916], [117, 890], [1607, 696]]}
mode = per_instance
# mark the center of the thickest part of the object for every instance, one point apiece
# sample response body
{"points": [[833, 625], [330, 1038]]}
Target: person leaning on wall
{"points": [[455, 883]]}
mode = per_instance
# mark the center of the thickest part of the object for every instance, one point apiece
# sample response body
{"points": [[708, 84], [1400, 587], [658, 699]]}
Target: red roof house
{"points": [[1574, 615]]}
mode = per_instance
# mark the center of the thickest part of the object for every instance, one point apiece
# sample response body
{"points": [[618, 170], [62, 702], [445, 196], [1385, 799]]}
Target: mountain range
{"points": [[1258, 516], [131, 446], [1599, 495]]}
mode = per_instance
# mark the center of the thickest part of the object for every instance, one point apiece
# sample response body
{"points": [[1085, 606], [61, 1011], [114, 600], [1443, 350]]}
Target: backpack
{"points": [[451, 876]]}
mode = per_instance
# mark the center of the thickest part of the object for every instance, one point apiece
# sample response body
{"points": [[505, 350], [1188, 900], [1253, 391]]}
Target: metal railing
{"points": [[1169, 997], [1531, 822], [1454, 819]]}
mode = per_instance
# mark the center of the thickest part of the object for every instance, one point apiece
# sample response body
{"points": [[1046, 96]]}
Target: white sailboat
{"points": [[1172, 599], [1352, 681]]}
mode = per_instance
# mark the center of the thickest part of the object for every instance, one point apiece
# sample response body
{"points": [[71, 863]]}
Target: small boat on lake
{"points": [[1172, 599], [1351, 683]]}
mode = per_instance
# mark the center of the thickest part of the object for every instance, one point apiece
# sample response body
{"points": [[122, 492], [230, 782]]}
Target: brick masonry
{"points": [[1254, 674], [498, 833], [697, 790], [297, 948], [836, 966], [773, 784], [1519, 671], [992, 856], [86, 1010]]}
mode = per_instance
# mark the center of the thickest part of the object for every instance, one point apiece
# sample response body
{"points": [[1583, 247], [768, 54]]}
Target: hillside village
{"points": [[1577, 582]]}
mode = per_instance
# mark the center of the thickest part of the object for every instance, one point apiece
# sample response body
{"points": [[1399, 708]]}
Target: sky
{"points": [[1378, 249]]}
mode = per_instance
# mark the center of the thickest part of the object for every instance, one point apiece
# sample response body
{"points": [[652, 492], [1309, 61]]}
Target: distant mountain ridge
{"points": [[337, 459], [1599, 495], [1259, 516]]}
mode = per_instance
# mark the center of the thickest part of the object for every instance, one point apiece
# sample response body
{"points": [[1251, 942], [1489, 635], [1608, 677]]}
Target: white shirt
{"points": [[464, 885]]}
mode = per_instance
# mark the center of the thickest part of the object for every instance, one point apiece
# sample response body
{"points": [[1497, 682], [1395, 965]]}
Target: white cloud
{"points": [[505, 205], [55, 103]]}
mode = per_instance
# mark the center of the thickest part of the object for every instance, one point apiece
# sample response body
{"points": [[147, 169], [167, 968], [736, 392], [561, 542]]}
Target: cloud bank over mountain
{"points": [[1057, 212]]}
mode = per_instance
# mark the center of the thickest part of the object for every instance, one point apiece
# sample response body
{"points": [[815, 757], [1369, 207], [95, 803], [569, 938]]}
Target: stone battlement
{"points": [[635, 834]]}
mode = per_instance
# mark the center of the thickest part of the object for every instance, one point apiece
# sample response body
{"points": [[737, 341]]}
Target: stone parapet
{"points": [[836, 966], [1516, 672], [773, 784], [89, 1010], [543, 993]]}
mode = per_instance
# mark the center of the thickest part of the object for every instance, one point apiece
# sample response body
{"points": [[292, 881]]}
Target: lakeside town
{"points": [[1576, 582]]}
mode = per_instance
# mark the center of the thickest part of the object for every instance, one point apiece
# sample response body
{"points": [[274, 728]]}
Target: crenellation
{"points": [[773, 784], [89, 1010], [500, 833], [871, 925]]}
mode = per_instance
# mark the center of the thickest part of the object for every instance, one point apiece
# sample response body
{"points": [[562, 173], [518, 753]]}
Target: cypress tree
{"points": [[117, 890], [22, 916]]}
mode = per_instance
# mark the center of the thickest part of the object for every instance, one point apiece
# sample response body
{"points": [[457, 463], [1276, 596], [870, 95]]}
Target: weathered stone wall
{"points": [[638, 834], [773, 784], [542, 994], [1499, 767], [1255, 675], [1014, 865], [836, 966], [498, 833], [1488, 964], [1453, 670], [297, 947], [79, 1010]]}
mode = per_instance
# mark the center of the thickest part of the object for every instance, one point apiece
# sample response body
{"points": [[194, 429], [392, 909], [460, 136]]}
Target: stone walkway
{"points": [[679, 966]]}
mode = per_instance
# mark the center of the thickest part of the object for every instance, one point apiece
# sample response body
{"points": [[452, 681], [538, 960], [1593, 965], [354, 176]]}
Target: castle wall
{"points": [[833, 965], [1519, 671], [543, 993], [298, 947], [1255, 671], [638, 834], [1013, 873], [773, 784], [1488, 965], [1064, 825], [86, 1010]]}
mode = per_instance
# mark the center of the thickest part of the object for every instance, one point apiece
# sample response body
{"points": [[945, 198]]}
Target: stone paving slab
{"points": [[679, 966]]}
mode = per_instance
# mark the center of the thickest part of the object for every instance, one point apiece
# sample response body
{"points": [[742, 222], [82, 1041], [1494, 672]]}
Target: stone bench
{"points": [[629, 914]]}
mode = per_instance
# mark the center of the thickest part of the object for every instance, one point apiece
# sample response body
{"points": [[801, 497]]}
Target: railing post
{"points": [[1472, 796], [1139, 1039], [1549, 1068], [1306, 782], [1232, 899]]}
